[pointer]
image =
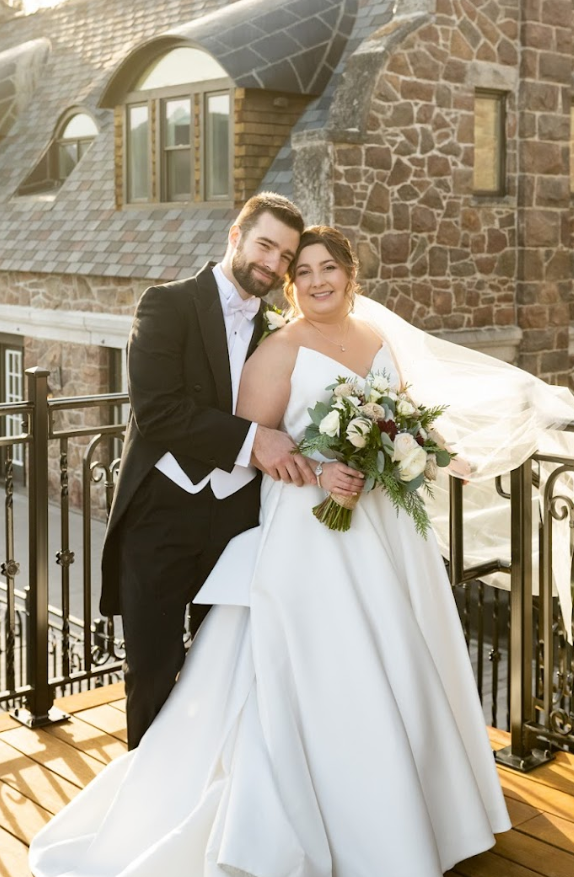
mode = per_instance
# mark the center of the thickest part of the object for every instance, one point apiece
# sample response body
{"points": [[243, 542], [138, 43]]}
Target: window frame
{"points": [[12, 344], [51, 156], [156, 98], [500, 98], [126, 157]]}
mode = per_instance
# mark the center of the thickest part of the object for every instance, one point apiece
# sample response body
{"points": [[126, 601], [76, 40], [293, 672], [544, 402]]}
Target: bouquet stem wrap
{"points": [[336, 510]]}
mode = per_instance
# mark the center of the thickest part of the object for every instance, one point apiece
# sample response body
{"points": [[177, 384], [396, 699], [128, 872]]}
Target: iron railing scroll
{"points": [[62, 652]]}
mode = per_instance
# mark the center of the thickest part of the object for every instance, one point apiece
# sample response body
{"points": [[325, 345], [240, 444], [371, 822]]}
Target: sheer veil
{"points": [[498, 416]]}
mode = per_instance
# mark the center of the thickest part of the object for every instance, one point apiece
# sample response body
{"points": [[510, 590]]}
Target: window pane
{"points": [[138, 165], [177, 122], [178, 173], [67, 159], [217, 146], [79, 126], [487, 143], [179, 67], [14, 392]]}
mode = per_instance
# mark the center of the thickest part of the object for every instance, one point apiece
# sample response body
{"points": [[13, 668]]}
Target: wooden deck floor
{"points": [[41, 770]]}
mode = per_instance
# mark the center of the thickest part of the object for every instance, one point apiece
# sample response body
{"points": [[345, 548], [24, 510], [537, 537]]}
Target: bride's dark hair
{"points": [[338, 246]]}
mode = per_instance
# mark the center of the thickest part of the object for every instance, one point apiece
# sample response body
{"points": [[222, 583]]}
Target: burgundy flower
{"points": [[388, 426], [419, 440]]}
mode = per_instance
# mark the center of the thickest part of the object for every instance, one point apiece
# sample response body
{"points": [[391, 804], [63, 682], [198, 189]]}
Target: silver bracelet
{"points": [[318, 473]]}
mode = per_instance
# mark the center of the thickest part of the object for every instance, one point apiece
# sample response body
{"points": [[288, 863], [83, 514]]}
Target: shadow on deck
{"points": [[41, 770]]}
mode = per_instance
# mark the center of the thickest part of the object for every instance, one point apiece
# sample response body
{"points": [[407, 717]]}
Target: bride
{"points": [[326, 722]]}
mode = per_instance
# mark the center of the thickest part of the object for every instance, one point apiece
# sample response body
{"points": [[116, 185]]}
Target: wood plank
{"points": [[530, 851], [119, 704], [557, 774], [33, 780], [13, 856], [19, 816], [552, 829], [88, 739], [107, 719], [498, 738], [520, 812], [65, 760], [540, 796], [490, 865], [6, 721], [86, 699]]}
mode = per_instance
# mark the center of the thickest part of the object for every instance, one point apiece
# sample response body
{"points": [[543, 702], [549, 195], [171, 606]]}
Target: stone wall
{"points": [[400, 151], [74, 292]]}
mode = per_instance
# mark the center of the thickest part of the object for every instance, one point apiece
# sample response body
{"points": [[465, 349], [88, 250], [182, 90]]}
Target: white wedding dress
{"points": [[326, 721]]}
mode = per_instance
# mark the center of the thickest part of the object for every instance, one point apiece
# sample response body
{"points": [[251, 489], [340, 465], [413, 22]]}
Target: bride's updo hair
{"points": [[338, 246]]}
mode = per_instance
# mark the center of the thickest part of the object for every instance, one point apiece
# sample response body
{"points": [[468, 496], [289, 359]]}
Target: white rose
{"points": [[275, 320], [404, 444], [374, 396], [357, 431], [331, 424], [431, 467], [355, 401], [404, 408], [345, 390], [413, 465], [373, 411], [380, 383]]}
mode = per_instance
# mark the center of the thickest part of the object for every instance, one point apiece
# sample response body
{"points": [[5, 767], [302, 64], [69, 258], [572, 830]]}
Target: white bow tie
{"points": [[247, 306]]}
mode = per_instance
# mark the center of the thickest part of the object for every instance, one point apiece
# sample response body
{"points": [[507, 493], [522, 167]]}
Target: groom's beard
{"points": [[248, 281]]}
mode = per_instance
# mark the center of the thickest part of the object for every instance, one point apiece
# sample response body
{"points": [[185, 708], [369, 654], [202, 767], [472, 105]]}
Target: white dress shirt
{"points": [[239, 329]]}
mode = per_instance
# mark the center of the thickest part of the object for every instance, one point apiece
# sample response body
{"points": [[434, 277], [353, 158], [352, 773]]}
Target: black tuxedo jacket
{"points": [[179, 383]]}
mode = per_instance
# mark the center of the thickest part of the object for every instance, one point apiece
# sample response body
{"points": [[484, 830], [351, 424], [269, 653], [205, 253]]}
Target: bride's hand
{"points": [[461, 468], [338, 478]]}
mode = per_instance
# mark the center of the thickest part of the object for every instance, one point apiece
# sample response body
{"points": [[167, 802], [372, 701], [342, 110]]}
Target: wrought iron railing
{"points": [[517, 641], [55, 651]]}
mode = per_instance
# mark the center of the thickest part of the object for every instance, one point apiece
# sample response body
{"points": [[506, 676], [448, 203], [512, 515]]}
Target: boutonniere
{"points": [[274, 318]]}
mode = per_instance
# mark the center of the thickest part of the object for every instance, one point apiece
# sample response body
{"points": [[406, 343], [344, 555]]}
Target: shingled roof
{"points": [[20, 71], [79, 231]]}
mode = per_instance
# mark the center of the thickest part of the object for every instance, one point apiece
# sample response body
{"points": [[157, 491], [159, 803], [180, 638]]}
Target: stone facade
{"points": [[400, 155], [71, 292]]}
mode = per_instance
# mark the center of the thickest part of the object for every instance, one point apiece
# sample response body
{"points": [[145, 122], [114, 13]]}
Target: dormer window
{"points": [[178, 138], [74, 138], [74, 134]]}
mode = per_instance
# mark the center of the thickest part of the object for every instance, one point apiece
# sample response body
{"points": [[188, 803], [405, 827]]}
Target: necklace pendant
{"points": [[342, 348]]}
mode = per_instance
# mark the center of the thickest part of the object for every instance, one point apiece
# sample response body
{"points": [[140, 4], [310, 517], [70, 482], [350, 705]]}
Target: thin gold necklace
{"points": [[338, 344]]}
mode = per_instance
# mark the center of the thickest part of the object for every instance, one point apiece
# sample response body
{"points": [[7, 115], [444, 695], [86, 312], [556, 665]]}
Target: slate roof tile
{"points": [[89, 39]]}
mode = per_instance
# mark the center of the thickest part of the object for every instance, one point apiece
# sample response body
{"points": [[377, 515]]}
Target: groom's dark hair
{"points": [[270, 202]]}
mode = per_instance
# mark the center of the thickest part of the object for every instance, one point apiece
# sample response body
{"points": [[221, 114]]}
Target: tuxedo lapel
{"points": [[212, 326], [257, 329]]}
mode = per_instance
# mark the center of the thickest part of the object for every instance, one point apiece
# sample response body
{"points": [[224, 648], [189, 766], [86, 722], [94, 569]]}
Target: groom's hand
{"points": [[272, 453]]}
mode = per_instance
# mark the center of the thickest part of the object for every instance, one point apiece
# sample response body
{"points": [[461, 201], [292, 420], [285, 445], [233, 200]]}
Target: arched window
{"points": [[74, 134], [178, 144], [72, 140]]}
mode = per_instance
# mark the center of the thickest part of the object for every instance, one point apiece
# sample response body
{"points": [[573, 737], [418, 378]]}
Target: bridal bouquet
{"points": [[381, 432]]}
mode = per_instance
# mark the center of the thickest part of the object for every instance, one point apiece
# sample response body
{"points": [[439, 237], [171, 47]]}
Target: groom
{"points": [[185, 486]]}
